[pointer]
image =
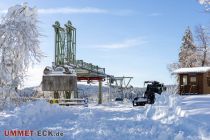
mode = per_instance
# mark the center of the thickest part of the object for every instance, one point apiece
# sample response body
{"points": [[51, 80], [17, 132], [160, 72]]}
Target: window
{"points": [[192, 79], [208, 81], [184, 80]]}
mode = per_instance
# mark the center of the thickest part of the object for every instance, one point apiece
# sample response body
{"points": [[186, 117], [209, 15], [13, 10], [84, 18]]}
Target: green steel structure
{"points": [[90, 67], [70, 43], [65, 44], [59, 44], [65, 54], [65, 50]]}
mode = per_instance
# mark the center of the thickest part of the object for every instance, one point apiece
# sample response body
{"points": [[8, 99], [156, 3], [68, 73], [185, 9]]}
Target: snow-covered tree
{"points": [[19, 44], [205, 3], [188, 55], [203, 46], [173, 66]]}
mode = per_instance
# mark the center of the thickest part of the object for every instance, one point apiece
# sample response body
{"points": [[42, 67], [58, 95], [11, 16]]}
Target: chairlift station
{"points": [[66, 70]]}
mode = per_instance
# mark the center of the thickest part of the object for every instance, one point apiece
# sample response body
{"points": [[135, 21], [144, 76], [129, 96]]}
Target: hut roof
{"points": [[192, 70]]}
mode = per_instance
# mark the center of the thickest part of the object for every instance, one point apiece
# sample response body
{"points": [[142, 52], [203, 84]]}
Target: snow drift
{"points": [[171, 117]]}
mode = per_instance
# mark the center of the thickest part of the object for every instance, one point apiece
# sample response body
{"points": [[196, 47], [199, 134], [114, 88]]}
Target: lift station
{"points": [[61, 79]]}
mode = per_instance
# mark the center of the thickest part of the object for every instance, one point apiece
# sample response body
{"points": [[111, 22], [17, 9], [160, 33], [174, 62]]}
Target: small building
{"points": [[195, 80]]}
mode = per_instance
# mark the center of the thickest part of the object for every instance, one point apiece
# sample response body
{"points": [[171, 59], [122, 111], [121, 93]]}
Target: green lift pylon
{"points": [[65, 44], [71, 43]]}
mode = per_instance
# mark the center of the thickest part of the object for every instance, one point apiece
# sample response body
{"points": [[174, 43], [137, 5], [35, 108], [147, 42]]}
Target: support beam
{"points": [[100, 92], [90, 78]]}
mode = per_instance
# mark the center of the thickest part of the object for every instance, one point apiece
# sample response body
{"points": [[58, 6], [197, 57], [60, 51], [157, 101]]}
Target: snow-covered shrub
{"points": [[8, 98], [11, 98]]}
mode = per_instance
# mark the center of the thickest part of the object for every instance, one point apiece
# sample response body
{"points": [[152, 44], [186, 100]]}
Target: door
{"points": [[193, 84]]}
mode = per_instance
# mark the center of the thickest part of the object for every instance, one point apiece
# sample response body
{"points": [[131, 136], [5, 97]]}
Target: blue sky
{"points": [[129, 38]]}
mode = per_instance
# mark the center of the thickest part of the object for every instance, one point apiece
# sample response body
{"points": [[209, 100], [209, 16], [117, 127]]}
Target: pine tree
{"points": [[188, 55]]}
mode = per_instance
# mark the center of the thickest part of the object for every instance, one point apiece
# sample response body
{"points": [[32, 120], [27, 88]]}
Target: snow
{"points": [[19, 39], [55, 73], [204, 1], [171, 117], [192, 70], [201, 1]]}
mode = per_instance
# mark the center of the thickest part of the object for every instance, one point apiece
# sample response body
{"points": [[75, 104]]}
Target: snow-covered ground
{"points": [[171, 117]]}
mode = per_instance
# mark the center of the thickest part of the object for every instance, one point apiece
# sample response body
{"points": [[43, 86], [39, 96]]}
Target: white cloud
{"points": [[122, 12], [127, 43], [86, 10]]}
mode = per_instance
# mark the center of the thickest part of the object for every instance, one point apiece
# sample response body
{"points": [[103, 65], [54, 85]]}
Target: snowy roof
{"points": [[192, 70]]}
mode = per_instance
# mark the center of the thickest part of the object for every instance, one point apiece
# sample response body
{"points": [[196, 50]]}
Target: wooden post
{"points": [[100, 92]]}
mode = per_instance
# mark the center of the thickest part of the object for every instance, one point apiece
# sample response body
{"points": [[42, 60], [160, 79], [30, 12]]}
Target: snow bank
{"points": [[166, 109], [171, 117]]}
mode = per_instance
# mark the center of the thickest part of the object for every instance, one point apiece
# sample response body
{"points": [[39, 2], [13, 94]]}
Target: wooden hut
{"points": [[194, 80]]}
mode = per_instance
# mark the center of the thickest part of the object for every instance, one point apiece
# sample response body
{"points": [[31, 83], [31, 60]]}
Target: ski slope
{"points": [[171, 117]]}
